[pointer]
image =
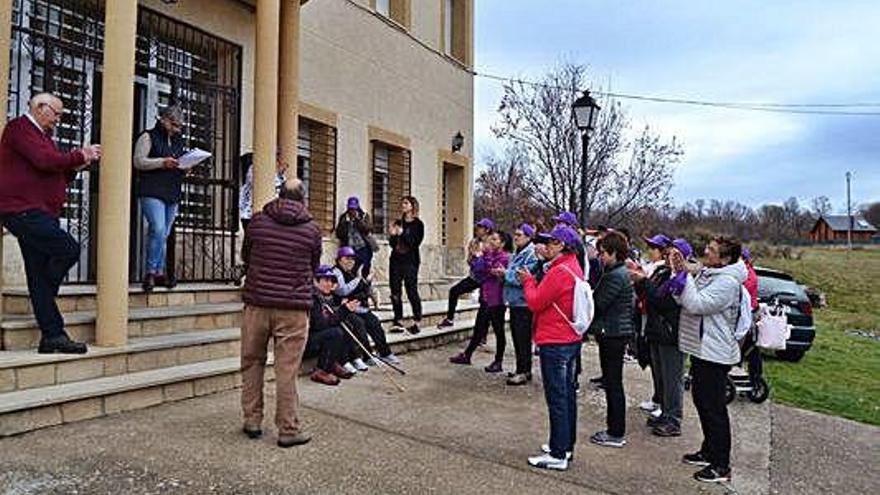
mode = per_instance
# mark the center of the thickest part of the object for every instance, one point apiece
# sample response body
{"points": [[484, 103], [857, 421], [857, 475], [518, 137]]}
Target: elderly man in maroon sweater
{"points": [[282, 249], [33, 178]]}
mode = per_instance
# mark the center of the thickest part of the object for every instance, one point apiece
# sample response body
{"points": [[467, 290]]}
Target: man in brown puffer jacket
{"points": [[282, 249]]}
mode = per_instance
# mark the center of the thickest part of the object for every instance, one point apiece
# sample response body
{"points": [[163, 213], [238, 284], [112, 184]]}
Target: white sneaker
{"points": [[370, 362], [657, 412], [349, 368], [648, 406], [547, 461], [545, 448], [360, 365], [391, 358]]}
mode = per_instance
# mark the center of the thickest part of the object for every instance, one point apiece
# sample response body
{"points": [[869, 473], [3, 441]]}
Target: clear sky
{"points": [[744, 50]]}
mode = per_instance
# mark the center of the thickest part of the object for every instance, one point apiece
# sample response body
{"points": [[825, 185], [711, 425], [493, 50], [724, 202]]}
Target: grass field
{"points": [[840, 375]]}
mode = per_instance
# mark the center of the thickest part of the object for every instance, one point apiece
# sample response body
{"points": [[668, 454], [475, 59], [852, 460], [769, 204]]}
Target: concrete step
{"points": [[22, 370], [21, 331], [75, 298], [31, 409]]}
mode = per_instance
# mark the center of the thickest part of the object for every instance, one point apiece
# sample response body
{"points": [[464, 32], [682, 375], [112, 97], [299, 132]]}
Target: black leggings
{"points": [[485, 317], [521, 331], [373, 328], [407, 274], [464, 286]]}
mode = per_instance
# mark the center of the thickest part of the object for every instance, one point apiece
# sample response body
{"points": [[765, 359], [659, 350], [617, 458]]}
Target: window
{"points": [[316, 167], [396, 10], [391, 182], [447, 26], [456, 36]]}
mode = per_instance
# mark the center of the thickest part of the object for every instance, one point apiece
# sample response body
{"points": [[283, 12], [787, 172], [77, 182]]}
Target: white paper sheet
{"points": [[192, 158]]}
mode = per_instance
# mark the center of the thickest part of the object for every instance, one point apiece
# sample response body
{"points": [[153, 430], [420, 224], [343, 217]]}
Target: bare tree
{"points": [[501, 191], [624, 173], [871, 212], [820, 206]]}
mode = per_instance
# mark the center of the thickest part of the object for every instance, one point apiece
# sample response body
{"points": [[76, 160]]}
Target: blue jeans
{"points": [[49, 253], [558, 374], [160, 218]]}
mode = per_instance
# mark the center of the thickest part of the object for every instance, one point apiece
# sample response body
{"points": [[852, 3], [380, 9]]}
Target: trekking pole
{"points": [[373, 355], [382, 364]]}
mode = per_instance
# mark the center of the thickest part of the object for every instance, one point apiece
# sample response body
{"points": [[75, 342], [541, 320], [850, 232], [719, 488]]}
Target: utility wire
{"points": [[795, 108]]}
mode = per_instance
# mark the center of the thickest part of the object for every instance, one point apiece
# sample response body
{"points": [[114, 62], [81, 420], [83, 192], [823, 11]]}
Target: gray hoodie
{"points": [[710, 307]]}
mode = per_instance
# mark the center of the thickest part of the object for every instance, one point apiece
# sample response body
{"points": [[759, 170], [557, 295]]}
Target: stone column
{"points": [[288, 84], [266, 101], [114, 210], [5, 43]]}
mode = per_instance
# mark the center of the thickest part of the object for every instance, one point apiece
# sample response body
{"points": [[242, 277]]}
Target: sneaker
{"points": [[518, 379], [545, 448], [350, 368], [495, 367], [654, 421], [321, 376], [648, 406], [370, 362], [667, 429], [414, 329], [695, 459], [460, 358], [252, 432], [446, 323], [396, 327], [712, 474], [300, 438], [342, 372], [604, 439], [547, 461], [148, 283], [360, 365], [657, 412], [629, 359], [391, 358]]}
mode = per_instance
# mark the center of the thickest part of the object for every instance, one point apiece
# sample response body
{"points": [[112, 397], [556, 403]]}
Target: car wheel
{"points": [[729, 391], [759, 392], [790, 355]]}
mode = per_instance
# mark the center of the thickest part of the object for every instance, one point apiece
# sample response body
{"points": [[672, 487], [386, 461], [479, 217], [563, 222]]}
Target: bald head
{"points": [[47, 109], [293, 190]]}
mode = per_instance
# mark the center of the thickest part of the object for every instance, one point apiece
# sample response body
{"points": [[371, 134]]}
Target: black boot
{"points": [[61, 345], [149, 282]]}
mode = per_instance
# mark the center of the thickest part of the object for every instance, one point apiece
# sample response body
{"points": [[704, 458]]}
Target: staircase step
{"points": [[21, 370], [31, 409], [73, 298], [21, 331]]}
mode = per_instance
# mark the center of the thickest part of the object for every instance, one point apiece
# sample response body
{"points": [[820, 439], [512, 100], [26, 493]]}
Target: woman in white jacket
{"points": [[710, 302]]}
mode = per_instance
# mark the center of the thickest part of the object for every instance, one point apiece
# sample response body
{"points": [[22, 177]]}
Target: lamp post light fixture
{"points": [[457, 142], [585, 111]]}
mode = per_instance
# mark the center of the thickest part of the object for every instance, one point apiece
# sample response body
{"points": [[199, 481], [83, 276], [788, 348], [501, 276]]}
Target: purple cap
{"points": [[746, 254], [325, 271], [567, 218], [528, 230], [486, 223], [543, 238], [659, 241], [683, 247], [345, 252], [353, 203], [566, 235]]}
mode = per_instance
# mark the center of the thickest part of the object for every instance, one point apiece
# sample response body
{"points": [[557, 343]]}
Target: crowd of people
{"points": [[661, 308]]}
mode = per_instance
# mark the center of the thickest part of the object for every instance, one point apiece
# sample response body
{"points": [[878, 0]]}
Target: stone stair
{"points": [[183, 343]]}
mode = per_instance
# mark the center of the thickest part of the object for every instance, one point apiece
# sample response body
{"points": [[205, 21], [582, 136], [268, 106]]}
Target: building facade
{"points": [[836, 228], [364, 96]]}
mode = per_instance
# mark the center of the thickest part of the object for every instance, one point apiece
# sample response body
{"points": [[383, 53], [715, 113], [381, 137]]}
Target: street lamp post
{"points": [[585, 111]]}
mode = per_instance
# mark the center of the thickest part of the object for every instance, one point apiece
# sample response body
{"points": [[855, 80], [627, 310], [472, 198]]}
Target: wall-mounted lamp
{"points": [[457, 142]]}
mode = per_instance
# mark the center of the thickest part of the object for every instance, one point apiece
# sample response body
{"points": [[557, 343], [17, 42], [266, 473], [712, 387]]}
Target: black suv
{"points": [[772, 285]]}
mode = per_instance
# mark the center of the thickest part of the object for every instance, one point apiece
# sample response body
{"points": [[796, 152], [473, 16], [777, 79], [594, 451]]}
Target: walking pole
{"points": [[379, 361], [373, 355]]}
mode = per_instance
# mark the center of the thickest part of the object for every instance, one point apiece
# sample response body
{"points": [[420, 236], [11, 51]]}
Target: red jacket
{"points": [[751, 285], [556, 288], [282, 249], [33, 172]]}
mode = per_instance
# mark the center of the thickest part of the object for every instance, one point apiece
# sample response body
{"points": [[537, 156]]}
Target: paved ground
{"points": [[455, 430]]}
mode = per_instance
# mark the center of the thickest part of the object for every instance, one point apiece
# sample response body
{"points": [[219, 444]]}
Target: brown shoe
{"points": [[322, 376], [287, 441]]}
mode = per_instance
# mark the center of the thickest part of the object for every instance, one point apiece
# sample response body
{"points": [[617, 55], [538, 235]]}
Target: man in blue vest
{"points": [[159, 181]]}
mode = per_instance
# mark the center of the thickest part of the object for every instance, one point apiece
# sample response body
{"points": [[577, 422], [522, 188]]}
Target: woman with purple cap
{"points": [[661, 331], [482, 230], [520, 316], [559, 344], [355, 230]]}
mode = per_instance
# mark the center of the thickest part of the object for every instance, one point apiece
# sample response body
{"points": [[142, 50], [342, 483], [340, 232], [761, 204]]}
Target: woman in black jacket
{"points": [[667, 361], [613, 327], [405, 239]]}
